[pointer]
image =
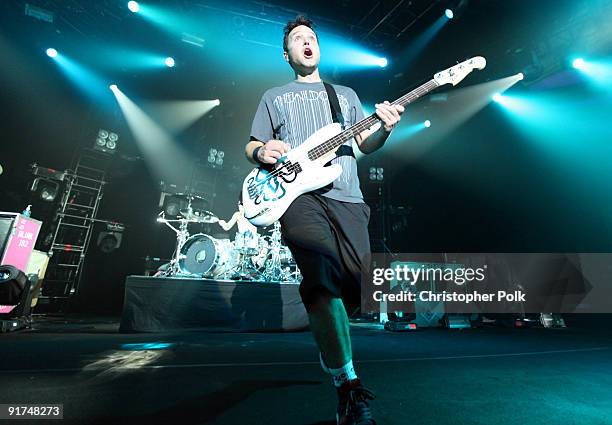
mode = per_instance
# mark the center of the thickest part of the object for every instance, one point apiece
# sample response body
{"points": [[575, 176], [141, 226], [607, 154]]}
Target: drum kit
{"points": [[250, 256]]}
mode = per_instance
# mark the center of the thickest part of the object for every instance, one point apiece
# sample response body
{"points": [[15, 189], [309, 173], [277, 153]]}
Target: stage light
{"points": [[520, 76], [215, 158], [173, 206], [106, 141], [497, 97], [578, 63], [46, 189], [427, 123], [48, 193], [383, 62], [110, 240], [133, 6], [449, 13], [377, 174], [113, 87], [597, 70], [15, 295], [169, 62], [216, 102], [51, 52]]}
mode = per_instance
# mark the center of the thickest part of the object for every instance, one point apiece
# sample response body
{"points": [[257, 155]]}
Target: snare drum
{"points": [[205, 256]]}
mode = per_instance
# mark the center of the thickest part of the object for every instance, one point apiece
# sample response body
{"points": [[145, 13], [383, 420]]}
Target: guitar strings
{"points": [[415, 94], [324, 147]]}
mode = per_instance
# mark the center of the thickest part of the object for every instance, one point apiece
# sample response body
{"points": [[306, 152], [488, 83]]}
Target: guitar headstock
{"points": [[455, 74]]}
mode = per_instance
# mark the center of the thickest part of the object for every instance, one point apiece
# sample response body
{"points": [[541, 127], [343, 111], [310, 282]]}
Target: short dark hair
{"points": [[299, 20]]}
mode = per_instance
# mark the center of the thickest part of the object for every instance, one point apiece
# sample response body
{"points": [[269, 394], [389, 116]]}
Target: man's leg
{"points": [[330, 327], [314, 242]]}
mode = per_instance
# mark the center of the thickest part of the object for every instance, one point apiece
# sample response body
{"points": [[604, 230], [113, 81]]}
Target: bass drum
{"points": [[205, 256]]}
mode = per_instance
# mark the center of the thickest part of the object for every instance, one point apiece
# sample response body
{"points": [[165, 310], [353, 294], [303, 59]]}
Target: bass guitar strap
{"points": [[337, 116]]}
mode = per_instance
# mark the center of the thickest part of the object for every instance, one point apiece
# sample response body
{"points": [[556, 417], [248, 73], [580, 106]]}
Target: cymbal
{"points": [[190, 196], [199, 216]]}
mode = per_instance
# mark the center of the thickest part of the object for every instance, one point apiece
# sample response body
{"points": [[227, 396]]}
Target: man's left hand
{"points": [[389, 114]]}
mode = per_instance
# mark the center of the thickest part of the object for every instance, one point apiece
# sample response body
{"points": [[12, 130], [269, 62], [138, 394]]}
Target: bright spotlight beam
{"points": [[343, 54], [133, 6], [88, 81], [579, 63], [598, 71], [407, 56], [427, 123], [51, 52], [449, 13], [166, 160], [178, 115], [170, 62], [458, 109]]}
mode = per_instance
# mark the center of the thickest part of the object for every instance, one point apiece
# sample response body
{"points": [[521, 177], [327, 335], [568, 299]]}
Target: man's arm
{"points": [[227, 225], [267, 153], [250, 148], [374, 138]]}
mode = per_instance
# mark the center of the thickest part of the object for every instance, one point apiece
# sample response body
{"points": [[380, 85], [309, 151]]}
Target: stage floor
{"points": [[434, 376]]}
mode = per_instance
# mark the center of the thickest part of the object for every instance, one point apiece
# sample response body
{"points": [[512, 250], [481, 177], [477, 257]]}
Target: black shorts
{"points": [[330, 244]]}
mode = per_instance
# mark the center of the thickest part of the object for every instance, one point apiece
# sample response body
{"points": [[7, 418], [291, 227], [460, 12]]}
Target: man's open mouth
{"points": [[308, 53]]}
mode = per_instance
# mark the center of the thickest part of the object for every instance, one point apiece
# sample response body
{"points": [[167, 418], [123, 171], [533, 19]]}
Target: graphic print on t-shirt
{"points": [[301, 113]]}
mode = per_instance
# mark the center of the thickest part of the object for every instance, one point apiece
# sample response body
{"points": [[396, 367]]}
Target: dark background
{"points": [[493, 184]]}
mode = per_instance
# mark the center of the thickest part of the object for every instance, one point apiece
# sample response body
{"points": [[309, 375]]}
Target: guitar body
{"points": [[268, 192]]}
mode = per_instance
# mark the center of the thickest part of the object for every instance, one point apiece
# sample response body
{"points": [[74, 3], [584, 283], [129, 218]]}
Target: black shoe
{"points": [[353, 405]]}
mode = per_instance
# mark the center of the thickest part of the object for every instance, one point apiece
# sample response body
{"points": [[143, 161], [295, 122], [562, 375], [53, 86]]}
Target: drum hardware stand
{"points": [[246, 271], [274, 271], [182, 234]]}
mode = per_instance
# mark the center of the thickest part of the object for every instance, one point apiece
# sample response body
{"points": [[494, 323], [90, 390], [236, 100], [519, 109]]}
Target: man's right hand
{"points": [[272, 150]]}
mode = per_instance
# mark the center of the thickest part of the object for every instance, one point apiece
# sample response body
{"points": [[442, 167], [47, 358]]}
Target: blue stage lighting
{"points": [[578, 63], [449, 13], [146, 346], [133, 6], [169, 62], [497, 97], [113, 87], [51, 52], [427, 123], [383, 62]]}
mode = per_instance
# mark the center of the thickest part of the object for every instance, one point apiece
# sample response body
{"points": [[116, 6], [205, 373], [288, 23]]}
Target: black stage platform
{"points": [[430, 377], [157, 304]]}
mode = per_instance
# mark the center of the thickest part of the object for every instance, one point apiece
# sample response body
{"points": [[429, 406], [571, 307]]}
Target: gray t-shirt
{"points": [[293, 112]]}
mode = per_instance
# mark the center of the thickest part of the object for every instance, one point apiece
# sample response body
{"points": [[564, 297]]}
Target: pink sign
{"points": [[5, 309], [21, 242]]}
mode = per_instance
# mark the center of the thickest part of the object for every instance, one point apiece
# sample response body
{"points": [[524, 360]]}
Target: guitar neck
{"points": [[338, 140]]}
